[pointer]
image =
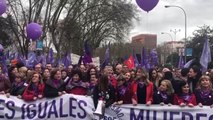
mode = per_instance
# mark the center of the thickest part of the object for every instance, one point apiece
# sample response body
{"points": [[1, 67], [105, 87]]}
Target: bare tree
{"points": [[67, 23]]}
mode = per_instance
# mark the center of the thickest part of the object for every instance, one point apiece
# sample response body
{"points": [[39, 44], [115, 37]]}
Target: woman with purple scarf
{"points": [[18, 86], [35, 89], [164, 94], [184, 97], [124, 94], [76, 85], [55, 86], [204, 91]]}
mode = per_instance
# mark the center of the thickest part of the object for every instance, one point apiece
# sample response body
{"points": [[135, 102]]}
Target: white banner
{"points": [[74, 107]]}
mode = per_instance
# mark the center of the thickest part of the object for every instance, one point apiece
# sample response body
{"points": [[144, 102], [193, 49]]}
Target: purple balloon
{"points": [[34, 31], [3, 6], [147, 5]]}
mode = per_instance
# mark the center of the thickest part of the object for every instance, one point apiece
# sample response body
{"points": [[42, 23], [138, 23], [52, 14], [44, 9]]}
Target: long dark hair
{"points": [[103, 83]]}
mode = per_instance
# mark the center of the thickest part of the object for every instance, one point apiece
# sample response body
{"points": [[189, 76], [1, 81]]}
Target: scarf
{"points": [[186, 97], [163, 95], [34, 88], [122, 90], [205, 94], [141, 84]]}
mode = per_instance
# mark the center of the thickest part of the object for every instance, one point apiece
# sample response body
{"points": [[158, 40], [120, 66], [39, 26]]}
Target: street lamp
{"points": [[167, 6], [172, 46], [175, 31]]}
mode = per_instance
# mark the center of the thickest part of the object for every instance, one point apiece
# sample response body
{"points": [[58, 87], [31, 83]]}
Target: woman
{"points": [[76, 85], [35, 89], [46, 75], [93, 83], [55, 85], [18, 86], [184, 97], [142, 89], [104, 91], [153, 77], [164, 94], [204, 91], [123, 91]]}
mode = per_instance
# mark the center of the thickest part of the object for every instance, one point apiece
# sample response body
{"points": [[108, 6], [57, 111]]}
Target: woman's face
{"points": [[92, 71], [138, 73], [93, 79], [185, 88], [163, 86], [154, 74], [132, 74], [205, 83], [75, 78], [57, 76], [35, 78], [127, 76]]}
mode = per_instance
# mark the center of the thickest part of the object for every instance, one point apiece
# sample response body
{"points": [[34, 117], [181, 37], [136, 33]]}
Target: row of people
{"points": [[127, 87]]}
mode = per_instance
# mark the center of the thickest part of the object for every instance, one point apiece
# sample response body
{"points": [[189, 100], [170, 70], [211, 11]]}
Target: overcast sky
{"points": [[161, 19]]}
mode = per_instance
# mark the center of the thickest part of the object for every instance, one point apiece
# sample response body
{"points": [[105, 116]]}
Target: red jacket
{"points": [[178, 100], [149, 91], [78, 91], [28, 94]]}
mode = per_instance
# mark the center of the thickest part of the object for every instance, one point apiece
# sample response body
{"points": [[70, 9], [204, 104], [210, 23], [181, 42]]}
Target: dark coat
{"points": [[149, 91], [52, 90], [157, 98], [18, 89], [108, 96], [205, 100]]}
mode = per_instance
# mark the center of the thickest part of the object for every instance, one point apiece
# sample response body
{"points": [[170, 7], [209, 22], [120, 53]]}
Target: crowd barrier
{"points": [[75, 107]]}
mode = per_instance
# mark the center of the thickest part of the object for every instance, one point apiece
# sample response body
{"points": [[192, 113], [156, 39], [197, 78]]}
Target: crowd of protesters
{"points": [[115, 85]]}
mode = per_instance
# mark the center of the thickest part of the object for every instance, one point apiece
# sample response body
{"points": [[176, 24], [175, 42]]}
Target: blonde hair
{"points": [[170, 89], [144, 76], [204, 77]]}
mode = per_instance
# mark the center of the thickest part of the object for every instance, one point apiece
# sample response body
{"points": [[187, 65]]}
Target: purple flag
{"points": [[66, 60], [107, 57], [31, 60], [206, 56], [4, 65], [145, 60], [87, 58], [181, 61], [188, 64], [154, 58], [50, 57], [21, 59], [135, 59], [143, 57]]}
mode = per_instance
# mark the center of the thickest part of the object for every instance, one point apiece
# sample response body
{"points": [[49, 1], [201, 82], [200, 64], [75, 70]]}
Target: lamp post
{"points": [[172, 46], [175, 31], [167, 6]]}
